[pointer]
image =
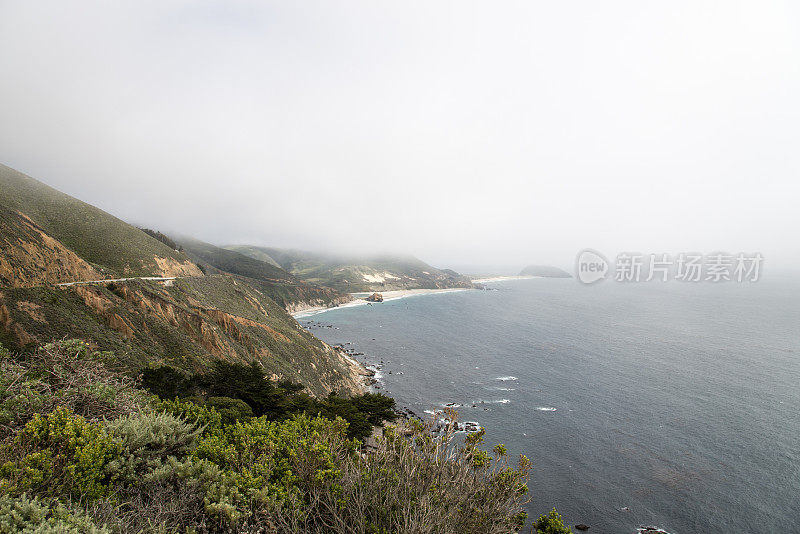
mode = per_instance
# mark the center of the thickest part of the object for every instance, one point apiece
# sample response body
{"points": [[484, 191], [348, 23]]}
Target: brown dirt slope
{"points": [[30, 257], [113, 247], [187, 325]]}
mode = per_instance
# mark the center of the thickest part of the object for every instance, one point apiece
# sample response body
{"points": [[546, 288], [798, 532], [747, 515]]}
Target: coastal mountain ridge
{"points": [[184, 318], [349, 274], [69, 269], [283, 287]]}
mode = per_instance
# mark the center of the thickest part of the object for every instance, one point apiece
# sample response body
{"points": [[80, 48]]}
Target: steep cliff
{"points": [[111, 246], [187, 324], [49, 238]]}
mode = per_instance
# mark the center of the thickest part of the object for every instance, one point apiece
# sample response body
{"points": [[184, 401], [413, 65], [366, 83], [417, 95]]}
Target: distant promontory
{"points": [[546, 271]]}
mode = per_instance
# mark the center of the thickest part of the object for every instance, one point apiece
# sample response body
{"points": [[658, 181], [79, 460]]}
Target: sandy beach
{"points": [[358, 299]]}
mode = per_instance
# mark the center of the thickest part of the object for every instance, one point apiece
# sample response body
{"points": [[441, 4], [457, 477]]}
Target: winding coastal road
{"points": [[107, 280]]}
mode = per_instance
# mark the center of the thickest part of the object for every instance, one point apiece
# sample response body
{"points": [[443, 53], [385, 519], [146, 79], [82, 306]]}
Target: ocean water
{"points": [[672, 405]]}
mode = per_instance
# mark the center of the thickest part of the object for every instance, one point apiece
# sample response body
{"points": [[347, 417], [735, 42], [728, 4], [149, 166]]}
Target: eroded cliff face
{"points": [[173, 267], [149, 323], [355, 380], [29, 257], [49, 238]]}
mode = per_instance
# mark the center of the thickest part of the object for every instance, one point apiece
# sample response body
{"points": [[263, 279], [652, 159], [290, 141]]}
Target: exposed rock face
{"points": [[173, 267], [375, 297], [355, 381], [49, 238], [187, 325], [106, 243], [29, 257]]}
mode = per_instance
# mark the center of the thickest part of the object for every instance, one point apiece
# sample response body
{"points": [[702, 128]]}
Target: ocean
{"points": [[652, 404]]}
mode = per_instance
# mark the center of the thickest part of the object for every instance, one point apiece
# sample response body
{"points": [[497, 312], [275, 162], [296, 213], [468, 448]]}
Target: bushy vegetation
{"points": [[23, 514], [240, 392], [70, 375], [551, 524], [233, 452]]}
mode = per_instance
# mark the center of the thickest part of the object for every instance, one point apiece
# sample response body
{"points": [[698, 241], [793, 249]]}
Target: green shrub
{"points": [[207, 419], [20, 396], [551, 524], [149, 438], [248, 455], [62, 454], [190, 493], [31, 516], [416, 481], [271, 461], [231, 410]]}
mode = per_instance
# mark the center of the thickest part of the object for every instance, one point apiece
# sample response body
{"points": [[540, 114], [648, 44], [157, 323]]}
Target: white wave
{"points": [[545, 409]]}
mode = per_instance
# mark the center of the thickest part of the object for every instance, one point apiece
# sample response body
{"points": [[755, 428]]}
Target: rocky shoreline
{"points": [[372, 375]]}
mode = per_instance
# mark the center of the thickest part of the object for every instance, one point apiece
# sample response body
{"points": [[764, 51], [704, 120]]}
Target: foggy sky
{"points": [[485, 133]]}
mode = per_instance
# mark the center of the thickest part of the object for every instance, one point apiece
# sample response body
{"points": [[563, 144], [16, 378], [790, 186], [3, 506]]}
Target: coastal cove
{"points": [[610, 390], [359, 300]]}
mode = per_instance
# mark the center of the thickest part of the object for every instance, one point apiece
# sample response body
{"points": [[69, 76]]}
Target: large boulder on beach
{"points": [[375, 297]]}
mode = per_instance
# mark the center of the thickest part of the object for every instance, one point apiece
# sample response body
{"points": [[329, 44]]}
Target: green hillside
{"points": [[286, 289], [356, 274], [254, 253], [188, 324], [48, 238], [234, 262], [114, 247]]}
